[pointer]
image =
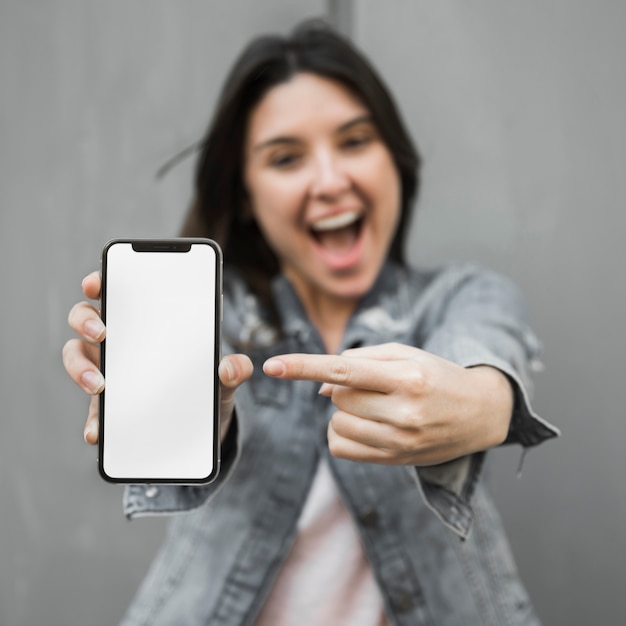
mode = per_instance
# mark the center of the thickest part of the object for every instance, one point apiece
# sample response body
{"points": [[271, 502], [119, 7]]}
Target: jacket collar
{"points": [[383, 311]]}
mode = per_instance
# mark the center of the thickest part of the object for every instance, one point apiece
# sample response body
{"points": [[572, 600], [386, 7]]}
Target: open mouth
{"points": [[339, 233]]}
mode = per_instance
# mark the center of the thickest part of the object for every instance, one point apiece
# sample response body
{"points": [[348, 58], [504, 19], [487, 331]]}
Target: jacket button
{"points": [[152, 492], [405, 602], [370, 518]]}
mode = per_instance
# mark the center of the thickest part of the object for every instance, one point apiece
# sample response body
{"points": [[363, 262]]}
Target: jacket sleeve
{"points": [[481, 320]]}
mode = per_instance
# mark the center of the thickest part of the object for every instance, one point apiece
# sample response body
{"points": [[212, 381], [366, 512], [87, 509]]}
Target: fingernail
{"points": [[326, 390], [230, 373], [89, 431], [87, 278], [94, 328], [92, 381], [274, 367]]}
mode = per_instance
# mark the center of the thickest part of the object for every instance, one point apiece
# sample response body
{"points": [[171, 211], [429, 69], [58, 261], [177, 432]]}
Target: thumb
{"points": [[234, 369]]}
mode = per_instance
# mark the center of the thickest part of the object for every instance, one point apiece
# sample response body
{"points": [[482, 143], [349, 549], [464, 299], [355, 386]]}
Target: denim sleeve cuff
{"points": [[447, 488], [526, 427]]}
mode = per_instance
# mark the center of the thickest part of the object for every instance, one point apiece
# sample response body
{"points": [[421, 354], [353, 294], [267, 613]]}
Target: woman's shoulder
{"points": [[463, 284], [451, 276], [451, 271]]}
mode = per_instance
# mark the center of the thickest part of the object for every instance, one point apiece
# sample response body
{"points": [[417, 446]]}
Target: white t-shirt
{"points": [[326, 578]]}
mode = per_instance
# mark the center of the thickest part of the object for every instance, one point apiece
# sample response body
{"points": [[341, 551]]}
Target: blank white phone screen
{"points": [[160, 354]]}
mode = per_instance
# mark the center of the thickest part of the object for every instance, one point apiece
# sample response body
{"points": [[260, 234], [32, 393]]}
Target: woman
{"points": [[350, 490]]}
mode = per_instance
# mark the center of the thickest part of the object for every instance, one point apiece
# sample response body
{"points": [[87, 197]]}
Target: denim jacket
{"points": [[431, 534]]}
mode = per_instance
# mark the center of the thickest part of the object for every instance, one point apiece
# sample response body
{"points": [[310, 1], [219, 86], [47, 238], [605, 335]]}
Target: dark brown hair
{"points": [[220, 198]]}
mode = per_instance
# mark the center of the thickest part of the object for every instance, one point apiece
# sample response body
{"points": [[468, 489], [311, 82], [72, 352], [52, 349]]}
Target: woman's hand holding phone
{"points": [[81, 358]]}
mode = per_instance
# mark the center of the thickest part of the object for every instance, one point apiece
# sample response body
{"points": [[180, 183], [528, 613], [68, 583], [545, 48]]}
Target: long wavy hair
{"points": [[218, 210]]}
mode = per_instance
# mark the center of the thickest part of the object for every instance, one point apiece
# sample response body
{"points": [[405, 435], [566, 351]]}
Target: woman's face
{"points": [[323, 187]]}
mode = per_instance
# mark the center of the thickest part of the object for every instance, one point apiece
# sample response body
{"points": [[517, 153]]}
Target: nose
{"points": [[330, 178]]}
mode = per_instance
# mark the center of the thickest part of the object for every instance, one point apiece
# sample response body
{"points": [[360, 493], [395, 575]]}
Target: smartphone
{"points": [[161, 304]]}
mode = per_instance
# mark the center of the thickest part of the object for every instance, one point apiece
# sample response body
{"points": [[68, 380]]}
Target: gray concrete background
{"points": [[518, 110]]}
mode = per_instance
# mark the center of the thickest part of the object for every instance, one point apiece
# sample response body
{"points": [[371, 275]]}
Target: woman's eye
{"points": [[284, 160], [356, 141]]}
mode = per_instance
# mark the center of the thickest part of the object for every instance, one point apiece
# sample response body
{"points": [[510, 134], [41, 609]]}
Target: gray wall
{"points": [[519, 111], [517, 108]]}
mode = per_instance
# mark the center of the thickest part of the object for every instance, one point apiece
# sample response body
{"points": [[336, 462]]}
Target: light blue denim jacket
{"points": [[432, 535]]}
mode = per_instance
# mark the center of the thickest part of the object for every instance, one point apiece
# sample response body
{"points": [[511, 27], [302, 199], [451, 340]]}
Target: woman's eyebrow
{"points": [[288, 140], [362, 119], [275, 141]]}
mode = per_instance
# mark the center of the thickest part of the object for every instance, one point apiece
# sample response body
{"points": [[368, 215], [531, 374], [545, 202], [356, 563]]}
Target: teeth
{"points": [[337, 221]]}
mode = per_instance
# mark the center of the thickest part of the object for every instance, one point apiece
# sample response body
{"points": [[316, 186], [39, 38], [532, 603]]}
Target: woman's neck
{"points": [[330, 317]]}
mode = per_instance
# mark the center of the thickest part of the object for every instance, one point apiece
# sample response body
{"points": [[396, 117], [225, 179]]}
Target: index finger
{"points": [[341, 370]]}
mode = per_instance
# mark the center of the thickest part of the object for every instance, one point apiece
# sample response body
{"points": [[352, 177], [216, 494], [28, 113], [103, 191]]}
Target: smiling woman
{"points": [[356, 424], [324, 190]]}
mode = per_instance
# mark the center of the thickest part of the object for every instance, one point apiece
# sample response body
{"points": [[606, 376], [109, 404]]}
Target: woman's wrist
{"points": [[494, 406]]}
